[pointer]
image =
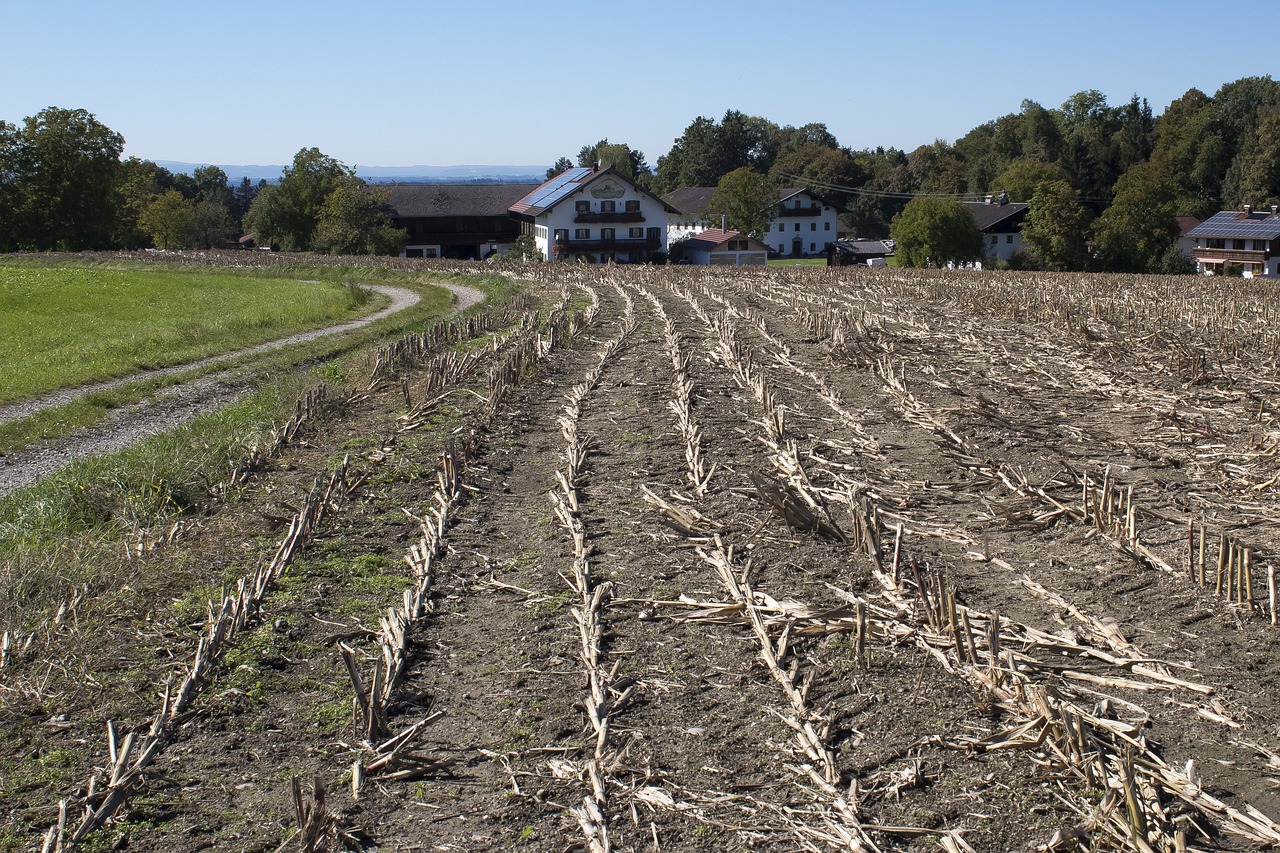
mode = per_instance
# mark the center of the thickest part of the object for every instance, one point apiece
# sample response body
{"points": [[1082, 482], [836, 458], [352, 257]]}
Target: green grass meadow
{"points": [[67, 529], [64, 326]]}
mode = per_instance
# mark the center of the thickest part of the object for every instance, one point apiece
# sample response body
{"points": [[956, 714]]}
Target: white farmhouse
{"points": [[1239, 242], [800, 226], [594, 215], [1000, 222]]}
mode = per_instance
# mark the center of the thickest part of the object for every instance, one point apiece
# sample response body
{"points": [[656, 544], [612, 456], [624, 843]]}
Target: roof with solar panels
{"points": [[1247, 223], [566, 184]]}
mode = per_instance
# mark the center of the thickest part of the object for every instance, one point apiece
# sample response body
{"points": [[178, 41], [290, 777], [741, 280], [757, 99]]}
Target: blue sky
{"points": [[501, 82]]}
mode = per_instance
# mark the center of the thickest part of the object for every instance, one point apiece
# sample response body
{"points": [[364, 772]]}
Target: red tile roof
{"points": [[713, 238]]}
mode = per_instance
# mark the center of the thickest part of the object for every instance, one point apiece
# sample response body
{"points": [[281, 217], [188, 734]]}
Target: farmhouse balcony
{"points": [[582, 247], [585, 218], [811, 210], [1235, 256]]}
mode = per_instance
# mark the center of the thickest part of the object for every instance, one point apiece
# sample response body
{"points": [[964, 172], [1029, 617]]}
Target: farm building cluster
{"points": [[597, 215]]}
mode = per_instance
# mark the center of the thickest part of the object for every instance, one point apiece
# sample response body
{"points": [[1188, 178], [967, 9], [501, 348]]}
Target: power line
{"points": [[823, 185], [972, 197]]}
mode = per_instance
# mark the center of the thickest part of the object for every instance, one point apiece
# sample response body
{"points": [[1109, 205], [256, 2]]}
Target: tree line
{"points": [[64, 187], [1105, 183]]}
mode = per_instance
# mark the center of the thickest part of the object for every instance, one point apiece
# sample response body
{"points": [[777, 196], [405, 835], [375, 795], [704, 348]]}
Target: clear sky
{"points": [[441, 82]]}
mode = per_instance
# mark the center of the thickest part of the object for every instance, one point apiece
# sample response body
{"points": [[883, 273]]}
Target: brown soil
{"points": [[943, 382]]}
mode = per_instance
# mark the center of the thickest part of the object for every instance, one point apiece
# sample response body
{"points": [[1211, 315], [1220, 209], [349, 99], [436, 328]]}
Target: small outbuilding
{"points": [[717, 247], [848, 253]]}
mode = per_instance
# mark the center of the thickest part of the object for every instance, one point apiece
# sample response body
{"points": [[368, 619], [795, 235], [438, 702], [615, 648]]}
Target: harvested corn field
{"points": [[665, 559]]}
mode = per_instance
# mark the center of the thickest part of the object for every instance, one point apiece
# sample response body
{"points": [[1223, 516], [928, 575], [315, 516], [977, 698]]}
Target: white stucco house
{"points": [[1246, 242], [1000, 222], [594, 215], [800, 226]]}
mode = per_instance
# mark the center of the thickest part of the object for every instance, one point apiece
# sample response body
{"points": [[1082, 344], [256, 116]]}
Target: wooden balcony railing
{"points": [[1241, 256], [811, 210], [585, 218], [582, 247]]}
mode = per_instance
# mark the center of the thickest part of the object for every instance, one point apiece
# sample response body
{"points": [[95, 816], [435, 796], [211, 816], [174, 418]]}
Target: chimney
{"points": [[1248, 209], [1275, 210], [724, 222]]}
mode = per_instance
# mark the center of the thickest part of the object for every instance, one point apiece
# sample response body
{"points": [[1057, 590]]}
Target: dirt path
{"points": [[175, 405]]}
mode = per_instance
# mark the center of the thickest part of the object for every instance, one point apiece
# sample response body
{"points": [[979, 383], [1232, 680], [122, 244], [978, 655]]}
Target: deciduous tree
{"points": [[1056, 229], [290, 211], [935, 231], [707, 151], [1260, 163], [619, 155], [746, 199], [1134, 234], [8, 186], [65, 165], [881, 197], [211, 225], [352, 222], [168, 219], [1024, 176], [138, 184]]}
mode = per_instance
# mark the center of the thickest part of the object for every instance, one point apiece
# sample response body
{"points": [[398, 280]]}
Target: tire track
{"points": [[173, 406]]}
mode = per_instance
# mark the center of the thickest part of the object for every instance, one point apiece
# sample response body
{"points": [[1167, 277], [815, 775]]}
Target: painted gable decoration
{"points": [[607, 189]]}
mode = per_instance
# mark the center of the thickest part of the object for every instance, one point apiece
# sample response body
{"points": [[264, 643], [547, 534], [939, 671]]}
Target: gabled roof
{"points": [[691, 201], [694, 201], [864, 247], [426, 200], [545, 195], [995, 217], [714, 238], [785, 194], [550, 193], [1237, 223], [1185, 224]]}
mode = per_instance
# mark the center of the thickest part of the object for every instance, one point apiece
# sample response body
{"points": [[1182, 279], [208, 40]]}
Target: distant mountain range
{"points": [[388, 174]]}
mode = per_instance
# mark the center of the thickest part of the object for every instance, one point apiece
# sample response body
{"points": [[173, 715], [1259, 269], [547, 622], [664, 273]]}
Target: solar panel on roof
{"points": [[1225, 224], [557, 188]]}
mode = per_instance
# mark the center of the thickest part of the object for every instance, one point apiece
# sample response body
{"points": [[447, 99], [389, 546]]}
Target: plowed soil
{"points": [[629, 693]]}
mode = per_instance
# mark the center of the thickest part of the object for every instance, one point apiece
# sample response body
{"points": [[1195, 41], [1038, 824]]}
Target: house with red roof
{"points": [[717, 247]]}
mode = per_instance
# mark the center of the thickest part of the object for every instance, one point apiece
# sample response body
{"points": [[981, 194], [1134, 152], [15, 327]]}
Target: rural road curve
{"points": [[173, 405]]}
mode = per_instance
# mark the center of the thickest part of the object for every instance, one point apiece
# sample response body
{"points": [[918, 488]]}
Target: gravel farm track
{"points": [[177, 403], [667, 559]]}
